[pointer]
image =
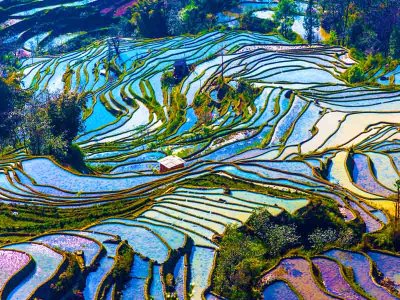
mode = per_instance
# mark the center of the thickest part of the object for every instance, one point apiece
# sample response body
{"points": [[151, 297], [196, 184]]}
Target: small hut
{"points": [[181, 69], [170, 163]]}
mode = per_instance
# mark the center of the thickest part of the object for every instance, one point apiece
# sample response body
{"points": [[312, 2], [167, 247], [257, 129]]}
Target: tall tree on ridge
{"points": [[285, 14], [311, 22]]}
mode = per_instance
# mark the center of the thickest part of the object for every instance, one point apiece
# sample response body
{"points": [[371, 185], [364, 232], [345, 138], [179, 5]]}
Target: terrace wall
{"points": [[14, 281]]}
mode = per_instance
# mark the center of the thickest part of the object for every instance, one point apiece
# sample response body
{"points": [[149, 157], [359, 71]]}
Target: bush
{"points": [[68, 277], [321, 237], [50, 123], [355, 74], [251, 23], [101, 168], [167, 79], [240, 260], [244, 251], [123, 263]]}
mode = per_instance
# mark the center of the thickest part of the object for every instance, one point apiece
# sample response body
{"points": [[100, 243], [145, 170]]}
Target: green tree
{"points": [[333, 38], [241, 259], [249, 22], [355, 74], [311, 22], [395, 43], [12, 98], [280, 238], [215, 6], [285, 14], [321, 237], [148, 18], [50, 122]]}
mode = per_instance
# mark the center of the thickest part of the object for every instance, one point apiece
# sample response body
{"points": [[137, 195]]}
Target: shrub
{"points": [[355, 74], [68, 277], [123, 263], [280, 238], [252, 23], [319, 238], [167, 79]]}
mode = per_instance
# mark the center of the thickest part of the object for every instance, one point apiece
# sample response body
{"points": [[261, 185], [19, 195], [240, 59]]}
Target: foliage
{"points": [[177, 110], [50, 122], [202, 108], [386, 239], [280, 238], [167, 79], [246, 251], [148, 18], [249, 22], [156, 18], [100, 168], [320, 237], [240, 98], [240, 260], [333, 38], [68, 277], [123, 263], [370, 26], [12, 98], [285, 14], [354, 74], [395, 43]]}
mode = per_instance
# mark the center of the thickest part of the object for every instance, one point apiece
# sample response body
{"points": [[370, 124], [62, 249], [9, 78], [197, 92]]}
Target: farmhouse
{"points": [[181, 69], [170, 163]]}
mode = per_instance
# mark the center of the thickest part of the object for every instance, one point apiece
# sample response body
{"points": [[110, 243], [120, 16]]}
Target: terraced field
{"points": [[301, 277], [306, 132], [26, 22]]}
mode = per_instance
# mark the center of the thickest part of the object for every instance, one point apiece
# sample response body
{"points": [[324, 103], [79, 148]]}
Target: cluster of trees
{"points": [[283, 20], [44, 124], [247, 251], [50, 122], [370, 26], [240, 99], [157, 18], [251, 23], [285, 14]]}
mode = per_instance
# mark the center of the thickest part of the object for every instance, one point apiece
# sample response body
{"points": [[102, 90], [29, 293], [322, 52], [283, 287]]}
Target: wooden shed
{"points": [[170, 163], [181, 69]]}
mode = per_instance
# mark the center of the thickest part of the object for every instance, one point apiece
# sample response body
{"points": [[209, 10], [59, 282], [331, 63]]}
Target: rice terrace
{"points": [[200, 149]]}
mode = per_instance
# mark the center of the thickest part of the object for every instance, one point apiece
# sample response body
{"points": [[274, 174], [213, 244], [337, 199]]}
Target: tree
{"points": [[12, 97], [397, 210], [65, 112], [333, 38], [50, 122], [285, 14], [173, 20], [215, 6], [395, 43], [365, 25], [280, 238], [311, 22], [355, 74], [148, 18], [121, 29], [335, 16], [35, 130], [240, 260], [249, 22], [396, 231], [319, 238]]}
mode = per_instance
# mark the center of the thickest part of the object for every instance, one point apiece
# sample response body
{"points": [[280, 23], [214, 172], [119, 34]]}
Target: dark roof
{"points": [[180, 63]]}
